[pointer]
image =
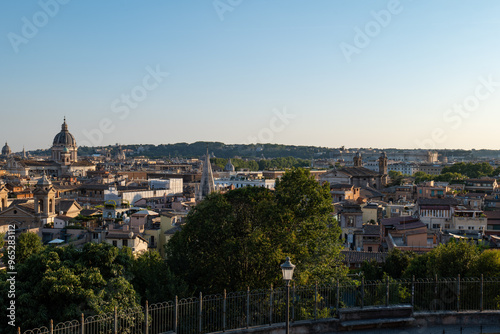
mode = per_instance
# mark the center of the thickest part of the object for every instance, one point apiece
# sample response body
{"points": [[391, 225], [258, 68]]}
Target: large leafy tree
{"points": [[452, 259], [27, 244], [153, 280], [397, 261], [62, 283], [487, 264], [239, 238]]}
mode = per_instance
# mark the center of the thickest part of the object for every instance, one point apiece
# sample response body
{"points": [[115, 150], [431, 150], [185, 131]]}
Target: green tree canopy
{"points": [[397, 261], [153, 279], [487, 264], [27, 244], [240, 238], [471, 170], [396, 178], [61, 283]]}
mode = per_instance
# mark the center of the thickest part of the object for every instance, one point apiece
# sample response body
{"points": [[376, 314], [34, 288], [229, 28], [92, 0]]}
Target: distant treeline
{"points": [[276, 163]]}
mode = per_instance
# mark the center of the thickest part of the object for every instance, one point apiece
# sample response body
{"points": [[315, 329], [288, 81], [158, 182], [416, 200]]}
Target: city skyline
{"points": [[399, 74]]}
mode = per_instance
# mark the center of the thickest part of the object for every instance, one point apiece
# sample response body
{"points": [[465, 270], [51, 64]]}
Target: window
{"points": [[370, 249], [446, 225], [436, 226], [470, 227], [115, 243], [350, 221], [125, 243]]}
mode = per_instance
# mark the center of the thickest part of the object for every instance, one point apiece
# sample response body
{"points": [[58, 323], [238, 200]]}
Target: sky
{"points": [[331, 73]]}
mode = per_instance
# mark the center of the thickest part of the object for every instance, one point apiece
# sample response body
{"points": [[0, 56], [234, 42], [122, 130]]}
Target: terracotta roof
{"points": [[492, 214], [437, 201], [369, 192], [35, 163], [82, 163], [120, 235], [360, 257], [341, 186], [481, 180], [399, 220], [358, 171], [64, 205], [369, 229], [88, 213]]}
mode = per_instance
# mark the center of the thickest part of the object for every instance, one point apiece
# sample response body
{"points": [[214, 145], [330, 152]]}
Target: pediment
{"points": [[16, 212]]}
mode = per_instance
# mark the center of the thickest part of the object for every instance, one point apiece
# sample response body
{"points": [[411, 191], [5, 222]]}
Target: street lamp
{"points": [[287, 269]]}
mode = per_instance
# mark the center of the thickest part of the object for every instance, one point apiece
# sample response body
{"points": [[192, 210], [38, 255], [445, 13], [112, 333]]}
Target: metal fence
{"points": [[257, 308]]}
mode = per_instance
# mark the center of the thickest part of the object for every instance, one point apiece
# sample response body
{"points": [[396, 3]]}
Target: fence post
{"points": [[51, 326], [435, 292], [458, 293], [200, 315], [224, 309], [176, 313], [413, 291], [387, 291], [271, 306], [248, 306], [146, 318], [293, 302], [115, 325], [482, 294], [316, 301], [338, 297], [83, 324], [362, 292]]}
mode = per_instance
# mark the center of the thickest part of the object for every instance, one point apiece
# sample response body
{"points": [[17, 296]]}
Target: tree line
{"points": [[456, 173], [263, 164], [454, 258]]}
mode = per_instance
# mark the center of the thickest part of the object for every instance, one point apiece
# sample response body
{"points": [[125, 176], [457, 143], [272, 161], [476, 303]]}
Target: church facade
{"points": [[358, 175]]}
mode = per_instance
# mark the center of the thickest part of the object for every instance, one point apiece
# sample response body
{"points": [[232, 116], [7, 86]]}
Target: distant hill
{"points": [[253, 151], [220, 150]]}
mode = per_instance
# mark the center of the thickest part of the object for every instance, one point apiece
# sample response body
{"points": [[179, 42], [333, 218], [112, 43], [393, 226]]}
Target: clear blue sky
{"points": [[228, 77]]}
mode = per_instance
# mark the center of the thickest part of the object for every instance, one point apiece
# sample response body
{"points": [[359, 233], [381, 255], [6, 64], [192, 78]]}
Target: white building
{"points": [[159, 188], [241, 182], [404, 168]]}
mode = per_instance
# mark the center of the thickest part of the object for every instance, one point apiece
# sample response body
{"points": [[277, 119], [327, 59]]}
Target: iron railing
{"points": [[257, 308]]}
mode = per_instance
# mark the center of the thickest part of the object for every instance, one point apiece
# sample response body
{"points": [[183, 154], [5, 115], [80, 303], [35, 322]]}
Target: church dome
{"points": [[6, 150], [64, 137]]}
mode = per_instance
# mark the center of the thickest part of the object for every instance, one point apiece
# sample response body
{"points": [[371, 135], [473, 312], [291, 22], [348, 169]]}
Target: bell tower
{"points": [[4, 195], [45, 199], [382, 164], [357, 160]]}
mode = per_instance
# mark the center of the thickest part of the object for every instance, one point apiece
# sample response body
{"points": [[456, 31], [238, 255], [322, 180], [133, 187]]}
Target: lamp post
{"points": [[287, 269]]}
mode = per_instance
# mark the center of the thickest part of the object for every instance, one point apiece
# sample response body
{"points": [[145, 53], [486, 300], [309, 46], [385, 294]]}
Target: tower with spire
{"points": [[207, 184]]}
